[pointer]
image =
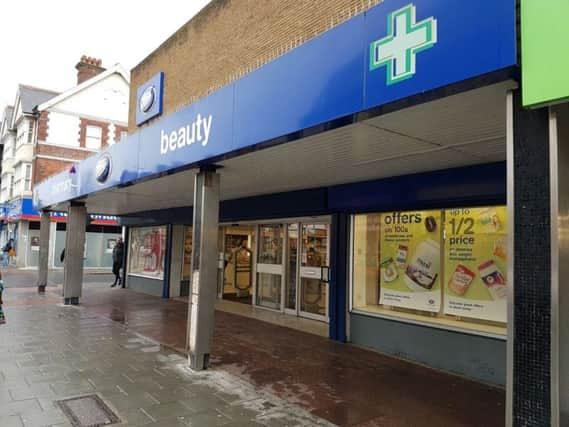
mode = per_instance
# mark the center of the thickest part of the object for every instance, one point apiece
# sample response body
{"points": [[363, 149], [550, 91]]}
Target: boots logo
{"points": [[147, 99], [405, 39], [103, 168]]}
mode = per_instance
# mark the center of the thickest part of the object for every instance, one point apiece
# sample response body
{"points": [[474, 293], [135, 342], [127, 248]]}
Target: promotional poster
{"points": [[410, 260], [475, 264]]}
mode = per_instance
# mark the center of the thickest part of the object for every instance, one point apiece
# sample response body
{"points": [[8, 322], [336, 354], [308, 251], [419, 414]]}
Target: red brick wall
{"points": [[43, 168], [118, 130], [43, 126], [83, 131]]}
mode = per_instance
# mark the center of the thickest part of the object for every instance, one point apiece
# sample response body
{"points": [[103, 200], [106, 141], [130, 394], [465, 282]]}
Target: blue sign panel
{"points": [[315, 83], [199, 131], [392, 51], [149, 98], [119, 162], [418, 46], [57, 188]]}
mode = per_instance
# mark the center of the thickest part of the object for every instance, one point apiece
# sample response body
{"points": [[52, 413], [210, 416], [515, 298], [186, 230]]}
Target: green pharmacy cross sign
{"points": [[406, 37]]}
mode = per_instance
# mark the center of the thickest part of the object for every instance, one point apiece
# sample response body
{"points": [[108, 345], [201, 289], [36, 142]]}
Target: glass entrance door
{"points": [[314, 271], [270, 271], [237, 263], [291, 287], [307, 270]]}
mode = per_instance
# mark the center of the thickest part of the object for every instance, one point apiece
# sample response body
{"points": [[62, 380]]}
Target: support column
{"points": [[559, 153], [74, 253], [43, 262], [530, 352], [204, 268]]}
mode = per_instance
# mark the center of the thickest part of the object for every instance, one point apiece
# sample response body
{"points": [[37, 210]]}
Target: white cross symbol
{"points": [[404, 40]]}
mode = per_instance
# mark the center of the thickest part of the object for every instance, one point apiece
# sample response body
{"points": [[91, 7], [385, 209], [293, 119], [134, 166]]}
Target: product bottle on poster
{"points": [[423, 270], [401, 257], [493, 279], [388, 270]]}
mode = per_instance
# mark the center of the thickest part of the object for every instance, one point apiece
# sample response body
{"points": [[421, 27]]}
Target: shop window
{"points": [[446, 267], [187, 266], [147, 249]]}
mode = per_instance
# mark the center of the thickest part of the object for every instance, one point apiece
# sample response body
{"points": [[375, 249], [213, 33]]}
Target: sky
{"points": [[42, 41]]}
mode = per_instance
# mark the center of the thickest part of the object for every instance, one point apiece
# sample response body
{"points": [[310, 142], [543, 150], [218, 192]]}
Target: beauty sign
{"points": [[475, 263], [410, 260]]}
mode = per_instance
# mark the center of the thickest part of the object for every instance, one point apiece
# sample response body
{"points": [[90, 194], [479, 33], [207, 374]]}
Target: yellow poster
{"points": [[410, 260], [475, 263]]}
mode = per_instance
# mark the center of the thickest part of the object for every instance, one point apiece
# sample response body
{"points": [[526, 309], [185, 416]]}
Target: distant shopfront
{"points": [[21, 223]]}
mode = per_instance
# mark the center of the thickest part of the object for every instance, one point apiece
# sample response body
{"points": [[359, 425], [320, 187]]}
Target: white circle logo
{"points": [[103, 168], [147, 99]]}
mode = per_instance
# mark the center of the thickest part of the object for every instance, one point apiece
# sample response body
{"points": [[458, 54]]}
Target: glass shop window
{"points": [[446, 267], [147, 249]]}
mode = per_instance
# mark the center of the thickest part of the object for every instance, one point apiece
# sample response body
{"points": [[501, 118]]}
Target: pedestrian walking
{"points": [[2, 316], [8, 252], [118, 255]]}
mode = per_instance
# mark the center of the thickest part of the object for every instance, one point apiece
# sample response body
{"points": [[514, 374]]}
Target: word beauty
{"points": [[198, 131]]}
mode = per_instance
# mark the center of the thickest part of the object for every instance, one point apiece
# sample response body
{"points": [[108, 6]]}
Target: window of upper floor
{"points": [[93, 137], [23, 176]]}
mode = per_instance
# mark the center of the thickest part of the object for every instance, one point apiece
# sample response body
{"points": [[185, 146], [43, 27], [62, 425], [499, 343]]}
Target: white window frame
{"points": [[89, 139], [27, 176]]}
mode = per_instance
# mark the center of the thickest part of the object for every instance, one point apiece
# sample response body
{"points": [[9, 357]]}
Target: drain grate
{"points": [[88, 411]]}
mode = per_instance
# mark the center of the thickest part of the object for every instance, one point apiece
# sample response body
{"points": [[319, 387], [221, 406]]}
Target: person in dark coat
{"points": [[118, 256]]}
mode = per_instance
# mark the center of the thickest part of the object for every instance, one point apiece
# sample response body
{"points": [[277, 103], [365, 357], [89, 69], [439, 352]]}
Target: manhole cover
{"points": [[88, 411]]}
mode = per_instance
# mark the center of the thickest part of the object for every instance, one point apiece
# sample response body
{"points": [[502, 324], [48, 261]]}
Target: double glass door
{"points": [[292, 270]]}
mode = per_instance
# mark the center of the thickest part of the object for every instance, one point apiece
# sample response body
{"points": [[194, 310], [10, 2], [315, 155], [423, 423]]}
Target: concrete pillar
{"points": [[204, 268], [74, 253], [22, 244], [43, 262]]}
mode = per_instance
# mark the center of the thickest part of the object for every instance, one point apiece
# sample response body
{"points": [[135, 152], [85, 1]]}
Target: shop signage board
{"points": [[149, 99], [392, 51], [475, 263], [421, 45], [545, 63], [410, 255]]}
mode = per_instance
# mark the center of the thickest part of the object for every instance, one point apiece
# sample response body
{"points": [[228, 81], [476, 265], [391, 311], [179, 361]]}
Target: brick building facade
{"points": [[52, 131], [230, 38]]}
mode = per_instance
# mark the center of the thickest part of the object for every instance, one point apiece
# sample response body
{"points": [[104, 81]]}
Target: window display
{"points": [[446, 267], [147, 247], [475, 263], [186, 269]]}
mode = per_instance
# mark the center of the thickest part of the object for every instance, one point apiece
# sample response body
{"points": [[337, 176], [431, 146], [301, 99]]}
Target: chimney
{"points": [[88, 67]]}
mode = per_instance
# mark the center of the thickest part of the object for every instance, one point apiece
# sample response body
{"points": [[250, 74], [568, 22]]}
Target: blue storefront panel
{"points": [[393, 51]]}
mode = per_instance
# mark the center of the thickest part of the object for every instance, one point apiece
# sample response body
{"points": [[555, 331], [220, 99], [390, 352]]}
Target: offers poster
{"points": [[475, 263], [410, 260]]}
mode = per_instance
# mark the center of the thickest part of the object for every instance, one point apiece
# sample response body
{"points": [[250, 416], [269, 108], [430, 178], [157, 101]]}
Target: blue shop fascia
{"points": [[346, 165]]}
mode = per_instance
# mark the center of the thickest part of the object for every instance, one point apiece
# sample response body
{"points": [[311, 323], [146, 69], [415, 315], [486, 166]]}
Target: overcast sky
{"points": [[41, 41]]}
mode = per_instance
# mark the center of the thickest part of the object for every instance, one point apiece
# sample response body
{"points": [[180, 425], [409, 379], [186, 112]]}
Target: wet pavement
{"points": [[50, 352], [23, 278], [340, 383]]}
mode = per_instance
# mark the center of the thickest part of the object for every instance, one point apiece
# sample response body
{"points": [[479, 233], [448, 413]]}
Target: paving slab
{"points": [[141, 387]]}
